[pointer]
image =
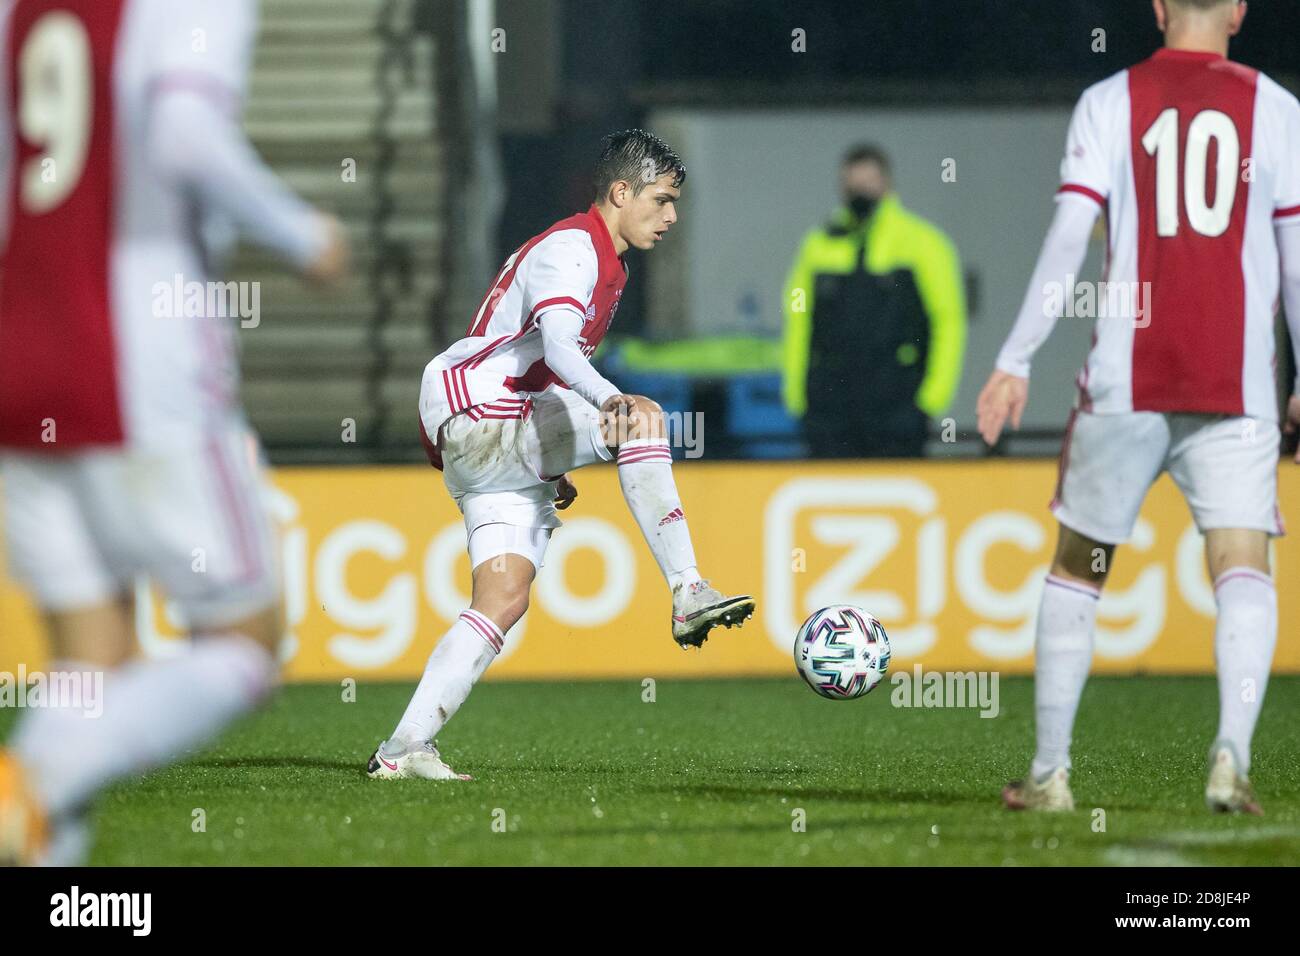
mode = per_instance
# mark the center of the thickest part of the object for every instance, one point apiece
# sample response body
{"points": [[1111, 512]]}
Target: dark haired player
{"points": [[515, 405]]}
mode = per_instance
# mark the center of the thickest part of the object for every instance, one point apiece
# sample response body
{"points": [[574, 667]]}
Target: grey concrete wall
{"points": [[757, 180]]}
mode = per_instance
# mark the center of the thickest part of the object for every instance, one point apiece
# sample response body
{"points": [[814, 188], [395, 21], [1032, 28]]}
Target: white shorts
{"points": [[489, 541], [1226, 468], [80, 526], [503, 470]]}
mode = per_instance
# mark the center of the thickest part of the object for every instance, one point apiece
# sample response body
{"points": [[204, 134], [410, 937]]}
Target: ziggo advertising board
{"points": [[951, 557]]}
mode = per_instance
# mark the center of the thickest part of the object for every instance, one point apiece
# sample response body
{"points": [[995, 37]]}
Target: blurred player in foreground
{"points": [[514, 406], [1196, 162], [123, 446]]}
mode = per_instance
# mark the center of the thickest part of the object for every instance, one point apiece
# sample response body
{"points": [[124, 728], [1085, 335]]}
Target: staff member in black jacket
{"points": [[875, 322]]}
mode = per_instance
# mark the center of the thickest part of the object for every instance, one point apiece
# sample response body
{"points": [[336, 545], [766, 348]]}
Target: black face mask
{"points": [[863, 206]]}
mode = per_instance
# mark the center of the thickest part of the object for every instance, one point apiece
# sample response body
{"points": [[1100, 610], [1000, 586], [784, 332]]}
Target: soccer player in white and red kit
{"points": [[123, 448], [515, 405], [1195, 160]]}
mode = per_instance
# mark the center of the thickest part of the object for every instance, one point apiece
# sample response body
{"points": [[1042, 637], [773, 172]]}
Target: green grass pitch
{"points": [[711, 772]]}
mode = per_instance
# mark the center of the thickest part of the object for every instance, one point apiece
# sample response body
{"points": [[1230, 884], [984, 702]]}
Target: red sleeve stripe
{"points": [[450, 385], [1092, 194], [558, 300], [1287, 212]]}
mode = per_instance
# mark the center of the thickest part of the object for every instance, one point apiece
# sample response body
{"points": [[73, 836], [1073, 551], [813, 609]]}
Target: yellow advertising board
{"points": [[950, 556]]}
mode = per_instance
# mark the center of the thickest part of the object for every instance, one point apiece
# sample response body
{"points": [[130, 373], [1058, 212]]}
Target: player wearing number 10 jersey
{"points": [[123, 448], [1195, 162]]}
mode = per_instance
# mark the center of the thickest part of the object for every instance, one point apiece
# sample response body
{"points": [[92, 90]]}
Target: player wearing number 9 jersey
{"points": [[123, 449], [1195, 162]]}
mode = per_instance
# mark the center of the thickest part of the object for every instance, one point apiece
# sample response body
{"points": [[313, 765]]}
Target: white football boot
{"points": [[1227, 790], [698, 608], [1051, 794], [421, 763]]}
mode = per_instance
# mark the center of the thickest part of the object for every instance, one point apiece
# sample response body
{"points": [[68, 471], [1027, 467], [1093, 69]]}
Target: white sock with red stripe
{"points": [[1245, 634], [1067, 616], [645, 473], [454, 667], [152, 713]]}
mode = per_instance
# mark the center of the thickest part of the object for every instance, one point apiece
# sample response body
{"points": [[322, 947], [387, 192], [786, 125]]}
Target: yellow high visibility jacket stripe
{"points": [[896, 239]]}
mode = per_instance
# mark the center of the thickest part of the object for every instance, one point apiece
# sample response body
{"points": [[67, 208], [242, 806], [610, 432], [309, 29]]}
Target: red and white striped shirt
{"points": [[571, 272], [119, 146], [1196, 162]]}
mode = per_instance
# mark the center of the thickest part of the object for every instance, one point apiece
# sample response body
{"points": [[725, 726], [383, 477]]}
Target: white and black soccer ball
{"points": [[842, 652]]}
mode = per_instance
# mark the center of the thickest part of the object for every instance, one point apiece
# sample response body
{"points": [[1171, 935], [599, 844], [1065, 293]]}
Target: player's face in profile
{"points": [[651, 212]]}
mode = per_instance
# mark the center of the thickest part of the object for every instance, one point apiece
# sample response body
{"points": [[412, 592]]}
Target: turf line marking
{"points": [[1144, 856], [1227, 837]]}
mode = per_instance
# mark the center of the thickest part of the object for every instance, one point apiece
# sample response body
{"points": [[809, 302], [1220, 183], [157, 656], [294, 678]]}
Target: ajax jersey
{"points": [[1196, 161]]}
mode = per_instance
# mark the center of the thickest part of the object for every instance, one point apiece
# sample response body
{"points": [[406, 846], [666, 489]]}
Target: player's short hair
{"points": [[637, 157], [868, 153]]}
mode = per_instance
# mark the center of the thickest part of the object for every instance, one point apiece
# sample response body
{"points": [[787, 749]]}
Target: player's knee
{"points": [[1081, 559], [265, 627], [516, 607], [1226, 549], [645, 418], [504, 607]]}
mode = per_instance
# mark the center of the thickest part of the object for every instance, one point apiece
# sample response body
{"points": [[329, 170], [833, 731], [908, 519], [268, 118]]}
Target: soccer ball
{"points": [[841, 652]]}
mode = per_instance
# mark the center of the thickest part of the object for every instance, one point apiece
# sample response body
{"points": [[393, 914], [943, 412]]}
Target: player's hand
{"points": [[1292, 425], [1003, 397], [332, 263], [618, 404], [565, 492]]}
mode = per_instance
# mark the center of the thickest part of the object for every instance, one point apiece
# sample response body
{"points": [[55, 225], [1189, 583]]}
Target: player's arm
{"points": [[939, 280], [1064, 250], [563, 354], [560, 278], [797, 334], [195, 140], [1286, 221], [1085, 184], [1288, 244]]}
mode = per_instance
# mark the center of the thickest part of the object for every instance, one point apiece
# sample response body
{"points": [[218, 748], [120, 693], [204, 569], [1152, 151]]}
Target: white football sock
{"points": [[1245, 634], [152, 713], [645, 473], [43, 730], [1062, 658], [455, 665]]}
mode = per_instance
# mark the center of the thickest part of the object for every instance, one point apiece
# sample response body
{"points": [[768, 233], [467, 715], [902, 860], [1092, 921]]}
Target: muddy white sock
{"points": [[1067, 616], [645, 473], [1245, 634], [455, 665], [153, 713]]}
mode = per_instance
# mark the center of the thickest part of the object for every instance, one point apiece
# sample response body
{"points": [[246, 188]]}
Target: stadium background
{"points": [[445, 133]]}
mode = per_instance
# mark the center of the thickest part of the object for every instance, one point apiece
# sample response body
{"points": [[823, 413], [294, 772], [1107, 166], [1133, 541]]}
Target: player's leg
{"points": [[85, 644], [1245, 636], [645, 474], [505, 559], [1227, 468], [193, 519], [1107, 464], [1063, 643], [87, 622]]}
